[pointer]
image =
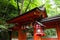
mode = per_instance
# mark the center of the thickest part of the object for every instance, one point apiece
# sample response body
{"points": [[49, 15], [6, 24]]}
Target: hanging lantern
{"points": [[39, 30]]}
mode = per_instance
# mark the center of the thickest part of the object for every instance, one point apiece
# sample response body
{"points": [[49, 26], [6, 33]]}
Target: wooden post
{"points": [[35, 36], [21, 35]]}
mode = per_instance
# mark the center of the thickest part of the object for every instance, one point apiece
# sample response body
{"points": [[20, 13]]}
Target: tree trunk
{"points": [[22, 4]]}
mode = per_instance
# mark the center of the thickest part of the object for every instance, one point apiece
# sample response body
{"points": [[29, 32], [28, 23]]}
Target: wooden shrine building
{"points": [[38, 19], [53, 22]]}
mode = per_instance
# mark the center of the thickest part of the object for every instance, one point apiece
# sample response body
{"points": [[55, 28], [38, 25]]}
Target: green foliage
{"points": [[50, 33], [8, 9], [31, 5], [52, 7]]}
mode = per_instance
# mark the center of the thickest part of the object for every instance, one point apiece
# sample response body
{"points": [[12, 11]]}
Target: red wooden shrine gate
{"points": [[31, 17]]}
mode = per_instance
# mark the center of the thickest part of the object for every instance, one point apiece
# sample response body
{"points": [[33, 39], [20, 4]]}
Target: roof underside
{"points": [[51, 21], [30, 16], [55, 18]]}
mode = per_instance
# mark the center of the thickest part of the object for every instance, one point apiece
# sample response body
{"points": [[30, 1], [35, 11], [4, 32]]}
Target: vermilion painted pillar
{"points": [[58, 31], [21, 35], [35, 36]]}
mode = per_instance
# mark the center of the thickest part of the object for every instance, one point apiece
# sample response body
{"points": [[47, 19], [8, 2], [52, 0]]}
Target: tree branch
{"points": [[28, 6]]}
